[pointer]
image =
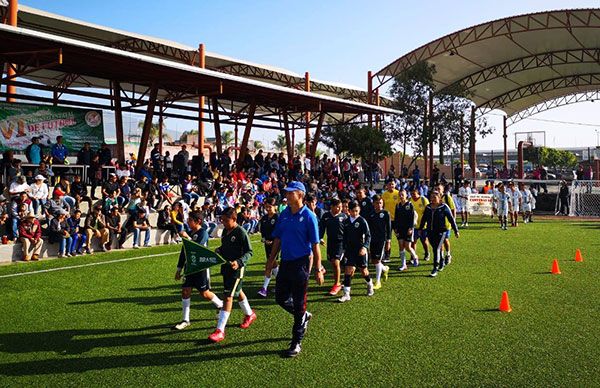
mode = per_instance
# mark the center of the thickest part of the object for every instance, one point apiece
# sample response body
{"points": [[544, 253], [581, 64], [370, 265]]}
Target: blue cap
{"points": [[295, 186]]}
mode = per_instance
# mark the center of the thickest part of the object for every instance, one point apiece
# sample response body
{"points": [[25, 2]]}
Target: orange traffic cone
{"points": [[555, 269], [578, 257], [504, 303]]}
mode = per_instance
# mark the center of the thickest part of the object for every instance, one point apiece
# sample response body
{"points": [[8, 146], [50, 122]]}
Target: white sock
{"points": [[245, 306], [346, 290], [266, 282], [223, 317], [274, 271], [186, 308], [217, 302], [448, 253], [370, 283], [403, 257], [378, 271]]}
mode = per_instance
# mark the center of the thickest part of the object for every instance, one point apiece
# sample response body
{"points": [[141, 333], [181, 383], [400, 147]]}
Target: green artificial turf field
{"points": [[108, 325]]}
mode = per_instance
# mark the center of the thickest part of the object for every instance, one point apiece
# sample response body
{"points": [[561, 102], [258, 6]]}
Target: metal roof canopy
{"points": [[522, 65], [59, 25], [98, 65]]}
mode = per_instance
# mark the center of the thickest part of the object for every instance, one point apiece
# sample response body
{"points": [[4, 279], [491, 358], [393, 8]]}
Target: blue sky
{"points": [[332, 39]]}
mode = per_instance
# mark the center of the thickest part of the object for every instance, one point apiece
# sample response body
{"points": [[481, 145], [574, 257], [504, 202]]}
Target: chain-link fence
{"points": [[583, 199]]}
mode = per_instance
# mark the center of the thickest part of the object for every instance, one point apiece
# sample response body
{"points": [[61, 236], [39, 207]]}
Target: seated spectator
{"points": [[18, 211], [141, 224], [134, 202], [59, 233], [77, 233], [55, 205], [18, 186], [110, 187], [110, 202], [14, 170], [189, 190], [4, 214], [164, 192], [38, 194], [115, 229], [164, 223], [95, 226], [124, 192], [44, 171], [177, 219], [30, 235], [79, 192], [63, 188]]}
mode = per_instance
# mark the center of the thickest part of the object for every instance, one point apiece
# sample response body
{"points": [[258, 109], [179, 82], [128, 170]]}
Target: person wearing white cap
{"points": [[38, 193]]}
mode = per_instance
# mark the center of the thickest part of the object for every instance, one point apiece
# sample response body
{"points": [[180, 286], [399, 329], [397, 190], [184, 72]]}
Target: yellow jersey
{"points": [[390, 200], [447, 199], [420, 204]]}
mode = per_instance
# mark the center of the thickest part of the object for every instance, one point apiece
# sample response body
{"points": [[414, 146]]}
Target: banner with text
{"points": [[480, 204], [20, 122]]}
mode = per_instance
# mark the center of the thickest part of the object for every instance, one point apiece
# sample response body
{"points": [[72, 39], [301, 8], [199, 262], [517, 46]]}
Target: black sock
{"points": [[368, 278], [347, 280]]}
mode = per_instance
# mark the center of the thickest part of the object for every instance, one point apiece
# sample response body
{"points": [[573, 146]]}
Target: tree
{"points": [[258, 144], [227, 138], [300, 148], [551, 157], [362, 142], [279, 144], [154, 132]]}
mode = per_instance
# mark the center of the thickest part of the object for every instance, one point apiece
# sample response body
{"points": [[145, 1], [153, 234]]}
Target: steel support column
{"points": [[13, 9], [315, 142], [160, 128], [116, 87], [430, 134], [235, 141], [370, 94], [147, 126], [472, 140], [425, 145], [246, 138], [202, 64], [288, 141], [217, 124], [505, 136], [307, 115]]}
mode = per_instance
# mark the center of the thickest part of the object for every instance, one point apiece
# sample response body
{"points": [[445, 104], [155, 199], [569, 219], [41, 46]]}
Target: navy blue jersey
{"points": [[333, 225], [404, 217], [356, 235], [436, 219], [267, 226], [380, 225], [366, 207]]}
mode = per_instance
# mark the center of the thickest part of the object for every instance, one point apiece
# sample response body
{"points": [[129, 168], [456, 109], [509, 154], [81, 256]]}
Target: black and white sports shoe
{"points": [[307, 318], [433, 273], [294, 350], [181, 325]]}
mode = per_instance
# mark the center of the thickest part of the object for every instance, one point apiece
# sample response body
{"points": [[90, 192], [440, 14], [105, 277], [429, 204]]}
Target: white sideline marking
{"points": [[86, 265]]}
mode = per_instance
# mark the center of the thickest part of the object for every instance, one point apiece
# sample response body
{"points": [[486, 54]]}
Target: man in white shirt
{"points": [[463, 196], [38, 193]]}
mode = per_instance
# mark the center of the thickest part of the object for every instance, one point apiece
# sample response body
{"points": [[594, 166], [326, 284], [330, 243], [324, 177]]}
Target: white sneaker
{"points": [[147, 245], [181, 325], [370, 290], [344, 298], [135, 246]]}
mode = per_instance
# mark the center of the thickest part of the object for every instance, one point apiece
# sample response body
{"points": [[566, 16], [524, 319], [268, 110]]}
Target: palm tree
{"points": [[154, 131], [300, 149], [227, 138], [258, 144], [279, 144]]}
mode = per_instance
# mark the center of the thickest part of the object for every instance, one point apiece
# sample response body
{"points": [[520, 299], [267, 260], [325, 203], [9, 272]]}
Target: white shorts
{"points": [[515, 207], [463, 204], [503, 210], [526, 207]]}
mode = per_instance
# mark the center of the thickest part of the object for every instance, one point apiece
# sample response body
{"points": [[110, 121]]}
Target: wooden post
{"points": [[235, 140], [118, 121], [217, 125], [13, 9], [147, 126], [246, 138], [202, 64]]}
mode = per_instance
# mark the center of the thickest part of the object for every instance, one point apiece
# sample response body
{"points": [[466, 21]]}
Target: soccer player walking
{"points": [[404, 224], [526, 199], [332, 223], [267, 226], [236, 249], [357, 239], [503, 200], [435, 216], [516, 204], [297, 236], [200, 280], [380, 226], [391, 198], [419, 204], [463, 195]]}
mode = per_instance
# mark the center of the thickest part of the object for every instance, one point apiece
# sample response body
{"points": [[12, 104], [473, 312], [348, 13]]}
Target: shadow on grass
{"points": [[207, 352], [486, 310]]}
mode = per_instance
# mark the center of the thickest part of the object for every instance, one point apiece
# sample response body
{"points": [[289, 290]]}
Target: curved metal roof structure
{"points": [[43, 21], [516, 64]]}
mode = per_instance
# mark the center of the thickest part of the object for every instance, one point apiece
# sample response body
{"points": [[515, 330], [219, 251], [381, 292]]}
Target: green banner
{"points": [[199, 258], [20, 122]]}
